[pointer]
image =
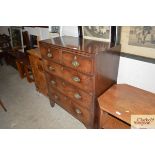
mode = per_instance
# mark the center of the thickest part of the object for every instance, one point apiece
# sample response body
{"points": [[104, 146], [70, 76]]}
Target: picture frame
{"points": [[129, 48], [16, 37], [54, 29], [98, 33], [142, 36]]}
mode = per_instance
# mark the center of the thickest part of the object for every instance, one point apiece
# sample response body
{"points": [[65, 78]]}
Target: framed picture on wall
{"points": [[100, 33], [55, 29], [143, 36], [16, 37]]}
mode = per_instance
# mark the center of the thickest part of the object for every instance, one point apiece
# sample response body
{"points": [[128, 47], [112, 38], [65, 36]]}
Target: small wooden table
{"points": [[121, 101]]}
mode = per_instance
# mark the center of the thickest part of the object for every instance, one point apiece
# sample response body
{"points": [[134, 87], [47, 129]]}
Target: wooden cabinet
{"points": [[120, 102], [38, 72], [78, 71]]}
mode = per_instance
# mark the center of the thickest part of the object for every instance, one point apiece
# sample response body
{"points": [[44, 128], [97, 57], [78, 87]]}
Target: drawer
{"points": [[79, 80], [83, 98], [109, 122], [50, 53], [80, 63], [73, 108]]}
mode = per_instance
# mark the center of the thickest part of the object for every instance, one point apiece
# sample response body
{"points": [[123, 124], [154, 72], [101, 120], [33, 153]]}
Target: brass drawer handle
{"points": [[75, 63], [77, 96], [56, 97], [49, 55], [76, 79], [40, 68], [78, 111], [53, 82], [51, 68]]}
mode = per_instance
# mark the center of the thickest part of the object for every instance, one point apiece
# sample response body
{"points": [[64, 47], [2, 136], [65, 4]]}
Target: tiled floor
{"points": [[26, 108]]}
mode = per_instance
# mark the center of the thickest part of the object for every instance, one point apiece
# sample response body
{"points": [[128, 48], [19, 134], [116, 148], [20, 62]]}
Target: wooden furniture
{"points": [[24, 68], [37, 69], [121, 101], [77, 72]]}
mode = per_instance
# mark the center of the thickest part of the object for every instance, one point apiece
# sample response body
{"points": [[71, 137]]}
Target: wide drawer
{"points": [[83, 98], [76, 110], [80, 63], [50, 53], [109, 122], [80, 80]]}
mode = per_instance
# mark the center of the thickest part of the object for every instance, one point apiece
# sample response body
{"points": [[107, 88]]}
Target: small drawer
{"points": [[73, 108], [50, 53], [109, 122], [79, 80], [80, 63], [60, 99], [80, 113], [83, 98]]}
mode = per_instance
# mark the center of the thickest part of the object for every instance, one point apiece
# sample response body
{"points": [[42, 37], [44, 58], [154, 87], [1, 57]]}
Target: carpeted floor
{"points": [[26, 108]]}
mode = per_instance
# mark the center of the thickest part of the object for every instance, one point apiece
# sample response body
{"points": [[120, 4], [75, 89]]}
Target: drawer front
{"points": [[50, 53], [80, 63], [83, 98], [109, 122], [77, 79], [76, 110]]}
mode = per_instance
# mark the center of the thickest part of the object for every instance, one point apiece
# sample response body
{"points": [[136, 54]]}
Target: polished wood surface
{"points": [[69, 90], [38, 72], [84, 83], [122, 101], [108, 121], [83, 46], [71, 106], [80, 70], [35, 52], [79, 63]]}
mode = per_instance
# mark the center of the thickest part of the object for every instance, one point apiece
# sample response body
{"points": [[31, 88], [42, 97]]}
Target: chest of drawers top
{"points": [[75, 44]]}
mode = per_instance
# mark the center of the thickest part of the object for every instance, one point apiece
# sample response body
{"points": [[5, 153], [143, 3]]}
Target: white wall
{"points": [[137, 73], [43, 33], [4, 30], [70, 31]]}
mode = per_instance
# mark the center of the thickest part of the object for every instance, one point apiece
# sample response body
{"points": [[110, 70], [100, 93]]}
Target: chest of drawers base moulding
{"points": [[81, 64]]}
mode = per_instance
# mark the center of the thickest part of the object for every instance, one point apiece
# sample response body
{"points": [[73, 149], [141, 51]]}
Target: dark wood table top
{"points": [[123, 100]]}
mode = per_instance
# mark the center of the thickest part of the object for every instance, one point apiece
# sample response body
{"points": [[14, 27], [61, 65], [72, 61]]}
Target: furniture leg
{"points": [[3, 106], [19, 66], [29, 79], [52, 103]]}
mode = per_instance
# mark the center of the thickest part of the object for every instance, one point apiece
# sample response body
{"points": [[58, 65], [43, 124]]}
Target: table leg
{"points": [[20, 69], [3, 106], [29, 79]]}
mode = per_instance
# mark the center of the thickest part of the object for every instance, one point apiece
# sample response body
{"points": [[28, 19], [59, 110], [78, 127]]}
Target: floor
{"points": [[26, 108]]}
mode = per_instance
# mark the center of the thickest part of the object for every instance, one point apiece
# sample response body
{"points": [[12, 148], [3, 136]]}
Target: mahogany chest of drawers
{"points": [[77, 72]]}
